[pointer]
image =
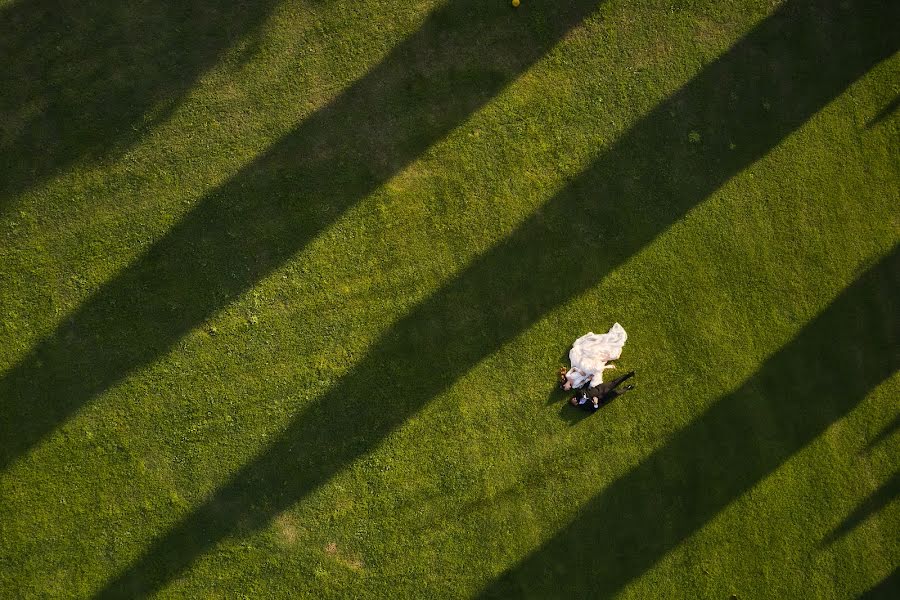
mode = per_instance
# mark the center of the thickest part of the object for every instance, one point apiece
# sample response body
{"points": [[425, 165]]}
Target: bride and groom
{"points": [[589, 357]]}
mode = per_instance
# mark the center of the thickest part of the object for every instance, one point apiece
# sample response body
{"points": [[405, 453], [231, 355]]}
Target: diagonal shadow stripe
{"points": [[79, 76], [884, 434], [763, 88], [834, 362], [885, 113], [464, 54], [880, 498], [887, 589]]}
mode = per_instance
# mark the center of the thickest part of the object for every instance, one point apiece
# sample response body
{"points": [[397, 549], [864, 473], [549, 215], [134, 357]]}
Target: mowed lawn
{"points": [[284, 286]]}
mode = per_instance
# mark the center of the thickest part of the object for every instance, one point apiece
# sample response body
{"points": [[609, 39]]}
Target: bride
{"points": [[589, 355]]}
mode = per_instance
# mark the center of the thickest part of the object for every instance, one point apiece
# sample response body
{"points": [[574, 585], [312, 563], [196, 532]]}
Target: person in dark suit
{"points": [[594, 397]]}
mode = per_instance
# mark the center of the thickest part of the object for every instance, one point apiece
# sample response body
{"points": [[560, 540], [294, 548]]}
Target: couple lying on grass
{"points": [[589, 357], [595, 396]]}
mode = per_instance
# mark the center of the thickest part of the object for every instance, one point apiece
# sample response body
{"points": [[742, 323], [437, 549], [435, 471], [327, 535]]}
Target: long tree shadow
{"points": [[833, 363], [465, 53], [763, 88], [884, 434], [885, 113], [880, 498], [79, 77], [886, 589]]}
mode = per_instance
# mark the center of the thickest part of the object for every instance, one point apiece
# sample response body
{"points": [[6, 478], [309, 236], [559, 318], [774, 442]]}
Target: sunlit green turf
{"points": [[284, 286]]}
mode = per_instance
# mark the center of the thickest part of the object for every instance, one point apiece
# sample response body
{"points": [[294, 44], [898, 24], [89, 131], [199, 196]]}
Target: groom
{"points": [[604, 393]]}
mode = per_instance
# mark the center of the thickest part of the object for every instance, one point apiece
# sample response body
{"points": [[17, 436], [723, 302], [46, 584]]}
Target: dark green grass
{"points": [[274, 206], [296, 335], [86, 80], [797, 393]]}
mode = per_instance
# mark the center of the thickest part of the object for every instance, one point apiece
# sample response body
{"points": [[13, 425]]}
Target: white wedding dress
{"points": [[591, 352]]}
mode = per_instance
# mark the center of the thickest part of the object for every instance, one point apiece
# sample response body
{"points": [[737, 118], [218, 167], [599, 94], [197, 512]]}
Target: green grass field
{"points": [[284, 286]]}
